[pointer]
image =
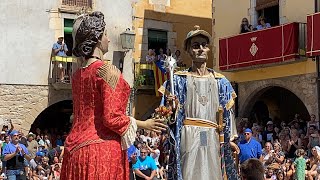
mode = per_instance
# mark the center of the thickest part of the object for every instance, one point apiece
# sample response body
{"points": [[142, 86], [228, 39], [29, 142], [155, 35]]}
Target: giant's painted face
{"points": [[199, 48]]}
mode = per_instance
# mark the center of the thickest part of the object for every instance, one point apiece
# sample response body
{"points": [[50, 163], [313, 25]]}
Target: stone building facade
{"points": [[302, 86], [26, 89]]}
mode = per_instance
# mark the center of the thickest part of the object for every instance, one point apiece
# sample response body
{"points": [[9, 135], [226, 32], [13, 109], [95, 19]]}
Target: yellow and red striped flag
{"points": [[160, 76]]}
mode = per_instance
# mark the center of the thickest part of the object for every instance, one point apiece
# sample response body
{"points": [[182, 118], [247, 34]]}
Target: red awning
{"points": [[313, 35], [273, 45]]}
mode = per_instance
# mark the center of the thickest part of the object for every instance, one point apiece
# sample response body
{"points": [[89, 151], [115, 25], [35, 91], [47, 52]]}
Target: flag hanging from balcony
{"points": [[160, 76]]}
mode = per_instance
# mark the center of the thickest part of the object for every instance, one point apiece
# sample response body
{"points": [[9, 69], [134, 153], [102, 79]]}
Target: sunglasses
{"points": [[143, 152], [246, 133]]}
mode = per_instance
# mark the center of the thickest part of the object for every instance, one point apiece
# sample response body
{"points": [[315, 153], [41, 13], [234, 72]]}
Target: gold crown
{"points": [[253, 39]]}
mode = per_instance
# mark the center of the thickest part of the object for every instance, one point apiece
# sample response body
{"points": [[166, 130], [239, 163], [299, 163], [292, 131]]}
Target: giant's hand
{"points": [[171, 99], [156, 125], [235, 147]]}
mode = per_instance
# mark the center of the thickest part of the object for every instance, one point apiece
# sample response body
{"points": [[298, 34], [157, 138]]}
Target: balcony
{"points": [[313, 40], [268, 47], [61, 71], [74, 6], [144, 76]]}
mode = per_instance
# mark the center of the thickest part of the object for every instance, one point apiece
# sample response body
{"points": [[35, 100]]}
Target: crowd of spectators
{"points": [[247, 27], [36, 156], [286, 150], [149, 156]]}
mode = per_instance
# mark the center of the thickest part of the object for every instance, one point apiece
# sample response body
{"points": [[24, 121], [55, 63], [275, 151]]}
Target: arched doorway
{"points": [[55, 118], [276, 103]]}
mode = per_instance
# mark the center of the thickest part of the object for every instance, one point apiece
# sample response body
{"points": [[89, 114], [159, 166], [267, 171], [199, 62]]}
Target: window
{"points": [[317, 5], [269, 9], [78, 3], [157, 39], [68, 26]]}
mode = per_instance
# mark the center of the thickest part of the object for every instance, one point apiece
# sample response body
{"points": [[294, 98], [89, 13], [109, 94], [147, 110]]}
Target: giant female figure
{"points": [[203, 96], [101, 132]]}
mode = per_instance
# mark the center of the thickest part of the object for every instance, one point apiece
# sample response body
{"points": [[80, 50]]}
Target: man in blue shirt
{"points": [[145, 167], [60, 49], [249, 147], [15, 154]]}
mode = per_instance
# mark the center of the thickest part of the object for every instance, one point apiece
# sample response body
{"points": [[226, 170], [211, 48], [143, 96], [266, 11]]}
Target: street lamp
{"points": [[127, 39]]}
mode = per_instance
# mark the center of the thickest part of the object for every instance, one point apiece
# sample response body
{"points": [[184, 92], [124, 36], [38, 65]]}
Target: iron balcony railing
{"points": [[77, 3], [61, 69]]}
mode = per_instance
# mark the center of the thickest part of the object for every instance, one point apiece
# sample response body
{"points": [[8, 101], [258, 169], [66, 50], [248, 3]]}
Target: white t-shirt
{"points": [[145, 138], [156, 156], [154, 140]]}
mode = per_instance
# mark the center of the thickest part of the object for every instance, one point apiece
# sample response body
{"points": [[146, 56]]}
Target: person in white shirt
{"points": [[154, 138], [155, 154]]}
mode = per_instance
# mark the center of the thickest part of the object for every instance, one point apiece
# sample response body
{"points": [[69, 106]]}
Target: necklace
{"points": [[202, 98]]}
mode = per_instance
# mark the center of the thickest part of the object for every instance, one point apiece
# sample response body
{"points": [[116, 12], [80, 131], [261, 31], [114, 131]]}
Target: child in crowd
{"points": [[299, 165], [269, 175]]}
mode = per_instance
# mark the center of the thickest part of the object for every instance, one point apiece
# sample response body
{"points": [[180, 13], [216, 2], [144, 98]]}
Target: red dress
{"points": [[93, 147]]}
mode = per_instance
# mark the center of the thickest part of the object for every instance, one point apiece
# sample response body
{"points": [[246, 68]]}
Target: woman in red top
{"points": [[101, 131]]}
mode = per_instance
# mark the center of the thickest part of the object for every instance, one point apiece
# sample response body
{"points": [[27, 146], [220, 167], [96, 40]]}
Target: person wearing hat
{"points": [[199, 93], [60, 49], [32, 144], [249, 147], [269, 134], [15, 154]]}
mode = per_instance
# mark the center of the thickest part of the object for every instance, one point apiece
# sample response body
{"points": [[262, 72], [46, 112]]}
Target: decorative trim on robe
{"points": [[231, 102], [129, 136], [110, 74]]}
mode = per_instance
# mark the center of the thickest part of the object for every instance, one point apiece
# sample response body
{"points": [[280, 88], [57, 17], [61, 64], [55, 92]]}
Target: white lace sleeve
{"points": [[130, 135]]}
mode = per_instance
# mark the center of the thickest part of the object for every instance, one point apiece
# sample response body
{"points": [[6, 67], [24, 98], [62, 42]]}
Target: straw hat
{"points": [[197, 31]]}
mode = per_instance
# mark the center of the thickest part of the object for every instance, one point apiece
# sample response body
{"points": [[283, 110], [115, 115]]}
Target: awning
{"points": [[313, 35], [261, 4], [274, 45]]}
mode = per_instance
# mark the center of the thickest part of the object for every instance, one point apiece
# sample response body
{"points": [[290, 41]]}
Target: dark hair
{"points": [[88, 34], [247, 170]]}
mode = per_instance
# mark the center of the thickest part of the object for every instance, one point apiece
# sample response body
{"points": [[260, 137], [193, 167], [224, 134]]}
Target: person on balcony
{"points": [[245, 26], [262, 23], [101, 133], [177, 56], [151, 56], [60, 49], [203, 99]]}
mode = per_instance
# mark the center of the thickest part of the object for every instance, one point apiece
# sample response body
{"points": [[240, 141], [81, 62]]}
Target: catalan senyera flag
{"points": [[160, 76]]}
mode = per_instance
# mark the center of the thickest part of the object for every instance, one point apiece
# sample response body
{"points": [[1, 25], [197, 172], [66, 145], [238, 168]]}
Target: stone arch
{"points": [[35, 110], [251, 90], [56, 115], [56, 96]]}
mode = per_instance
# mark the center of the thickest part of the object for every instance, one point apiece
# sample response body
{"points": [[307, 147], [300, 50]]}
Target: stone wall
{"points": [[23, 103], [303, 86]]}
